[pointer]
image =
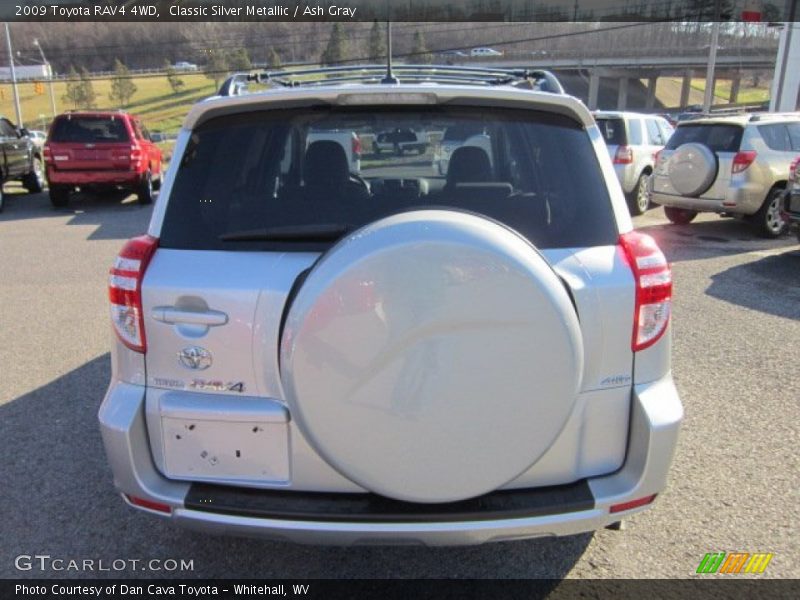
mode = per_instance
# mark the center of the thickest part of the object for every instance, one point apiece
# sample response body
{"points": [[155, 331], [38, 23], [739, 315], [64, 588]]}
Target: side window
{"points": [[654, 133], [776, 136], [794, 135], [145, 132], [635, 132], [7, 129], [666, 129]]}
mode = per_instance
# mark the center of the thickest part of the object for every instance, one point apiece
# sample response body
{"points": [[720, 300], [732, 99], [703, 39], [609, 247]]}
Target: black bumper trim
{"points": [[372, 508]]}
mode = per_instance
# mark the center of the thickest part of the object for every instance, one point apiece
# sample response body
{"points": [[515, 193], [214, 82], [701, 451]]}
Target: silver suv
{"points": [[633, 140], [393, 356], [736, 166]]}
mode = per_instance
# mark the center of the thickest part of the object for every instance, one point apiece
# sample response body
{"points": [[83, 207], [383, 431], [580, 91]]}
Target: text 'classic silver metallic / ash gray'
{"points": [[312, 351]]}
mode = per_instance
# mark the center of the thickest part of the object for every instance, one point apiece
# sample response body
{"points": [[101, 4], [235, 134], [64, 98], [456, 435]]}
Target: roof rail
{"points": [[765, 116], [534, 79], [236, 85]]}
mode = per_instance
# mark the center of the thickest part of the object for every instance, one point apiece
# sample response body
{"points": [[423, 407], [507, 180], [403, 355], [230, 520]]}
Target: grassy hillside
{"points": [[154, 101]]}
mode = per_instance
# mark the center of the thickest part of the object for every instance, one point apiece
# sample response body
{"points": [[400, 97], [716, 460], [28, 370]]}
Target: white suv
{"points": [[633, 140], [315, 355]]}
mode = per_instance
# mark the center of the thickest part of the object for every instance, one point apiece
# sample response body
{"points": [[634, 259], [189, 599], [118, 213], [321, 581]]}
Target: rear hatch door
{"points": [[90, 143]]}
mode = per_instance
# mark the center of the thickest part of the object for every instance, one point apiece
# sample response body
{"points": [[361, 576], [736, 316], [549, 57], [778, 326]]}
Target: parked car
{"points": [[456, 136], [632, 140], [347, 139], [182, 65], [792, 198], [101, 151], [391, 358], [734, 165], [37, 137], [400, 141], [20, 159], [484, 52]]}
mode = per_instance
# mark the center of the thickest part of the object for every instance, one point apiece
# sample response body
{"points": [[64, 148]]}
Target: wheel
{"points": [[59, 196], [34, 181], [145, 189], [679, 216], [639, 198], [157, 182], [768, 219]]}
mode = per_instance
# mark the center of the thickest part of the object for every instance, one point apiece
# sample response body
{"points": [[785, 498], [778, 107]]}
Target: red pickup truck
{"points": [[100, 150]]}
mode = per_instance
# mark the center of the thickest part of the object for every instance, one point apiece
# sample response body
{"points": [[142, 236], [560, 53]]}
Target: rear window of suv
{"points": [[718, 137], [255, 181], [613, 131], [86, 130]]}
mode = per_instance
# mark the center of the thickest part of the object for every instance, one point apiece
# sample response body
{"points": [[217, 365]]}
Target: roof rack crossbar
{"points": [[537, 79]]}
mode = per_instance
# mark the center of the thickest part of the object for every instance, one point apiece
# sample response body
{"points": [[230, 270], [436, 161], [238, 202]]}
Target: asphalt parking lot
{"points": [[734, 485]]}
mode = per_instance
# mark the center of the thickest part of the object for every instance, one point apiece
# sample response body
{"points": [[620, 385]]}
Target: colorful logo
{"points": [[735, 562]]}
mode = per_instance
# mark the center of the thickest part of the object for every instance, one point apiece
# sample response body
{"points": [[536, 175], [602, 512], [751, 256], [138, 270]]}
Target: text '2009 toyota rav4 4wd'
{"points": [[393, 356]]}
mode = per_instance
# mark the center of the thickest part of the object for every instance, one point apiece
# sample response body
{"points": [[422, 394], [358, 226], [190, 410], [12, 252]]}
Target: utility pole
{"points": [[50, 74], [712, 59], [13, 77]]}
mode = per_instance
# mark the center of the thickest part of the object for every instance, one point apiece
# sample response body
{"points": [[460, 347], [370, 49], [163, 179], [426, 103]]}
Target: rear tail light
{"points": [[653, 288], [136, 157], [742, 160], [46, 154], [356, 146], [656, 156], [624, 155], [125, 291], [149, 504], [615, 508], [794, 171]]}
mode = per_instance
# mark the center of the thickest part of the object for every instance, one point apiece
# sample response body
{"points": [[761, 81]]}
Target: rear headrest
{"points": [[469, 164], [326, 165]]}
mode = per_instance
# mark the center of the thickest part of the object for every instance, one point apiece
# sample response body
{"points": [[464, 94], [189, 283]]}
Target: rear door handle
{"points": [[173, 314]]}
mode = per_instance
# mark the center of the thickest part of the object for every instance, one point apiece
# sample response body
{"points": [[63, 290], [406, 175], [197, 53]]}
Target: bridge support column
{"points": [[622, 93], [651, 91], [686, 87], [785, 95], [734, 96], [594, 89]]}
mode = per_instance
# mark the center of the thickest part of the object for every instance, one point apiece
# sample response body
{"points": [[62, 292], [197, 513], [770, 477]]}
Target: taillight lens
{"points": [[653, 288], [136, 157], [47, 154], [125, 291], [623, 156], [742, 160], [356, 146], [794, 171], [656, 156]]}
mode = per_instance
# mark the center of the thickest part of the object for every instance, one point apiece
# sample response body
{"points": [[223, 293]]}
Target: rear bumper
{"points": [[367, 519], [90, 178], [744, 199]]}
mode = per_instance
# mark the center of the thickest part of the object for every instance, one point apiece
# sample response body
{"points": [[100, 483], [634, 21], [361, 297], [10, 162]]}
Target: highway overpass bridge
{"points": [[615, 81]]}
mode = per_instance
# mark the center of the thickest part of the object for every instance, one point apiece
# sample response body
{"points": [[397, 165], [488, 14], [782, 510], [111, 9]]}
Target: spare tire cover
{"points": [[431, 356], [692, 169]]}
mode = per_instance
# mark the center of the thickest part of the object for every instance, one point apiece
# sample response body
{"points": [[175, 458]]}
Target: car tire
{"points": [[157, 182], [59, 196], [679, 216], [144, 192], [34, 181], [639, 198], [768, 219]]}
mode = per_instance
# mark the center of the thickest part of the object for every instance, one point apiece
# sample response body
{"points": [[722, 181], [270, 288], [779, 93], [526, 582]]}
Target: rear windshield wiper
{"points": [[322, 232]]}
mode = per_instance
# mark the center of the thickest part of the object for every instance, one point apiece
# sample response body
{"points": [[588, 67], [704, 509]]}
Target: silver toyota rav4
{"points": [[394, 356]]}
